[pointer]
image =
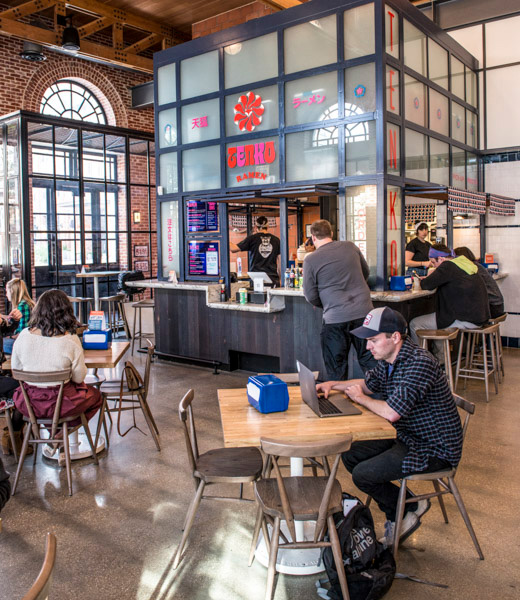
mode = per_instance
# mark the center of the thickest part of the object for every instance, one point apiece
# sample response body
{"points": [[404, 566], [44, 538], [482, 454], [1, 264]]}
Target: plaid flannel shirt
{"points": [[417, 389], [25, 309]]}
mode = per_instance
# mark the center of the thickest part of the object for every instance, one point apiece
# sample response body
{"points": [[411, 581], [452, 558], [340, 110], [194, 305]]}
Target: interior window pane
{"points": [[360, 149], [310, 44], [502, 42], [311, 99], [66, 152], [362, 223], [201, 169], [457, 77], [13, 158], [439, 162], [392, 90], [243, 111], [242, 64], [169, 180], [439, 116], [415, 101], [93, 155], [471, 87], [200, 121], [115, 158], [168, 128], [166, 79], [360, 90], [457, 122], [394, 236], [392, 32], [359, 31], [472, 171], [138, 161], [252, 162], [170, 237], [416, 150], [414, 48], [471, 128], [39, 136], [458, 158], [393, 152], [199, 75], [437, 64], [311, 154]]}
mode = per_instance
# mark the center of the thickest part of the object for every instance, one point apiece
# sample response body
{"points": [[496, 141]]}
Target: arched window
{"points": [[71, 100]]}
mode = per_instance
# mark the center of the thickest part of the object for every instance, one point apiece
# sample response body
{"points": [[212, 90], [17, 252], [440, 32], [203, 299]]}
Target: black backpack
{"points": [[129, 276], [369, 567]]}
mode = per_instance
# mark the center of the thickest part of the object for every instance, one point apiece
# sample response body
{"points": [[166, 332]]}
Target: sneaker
{"points": [[423, 506], [409, 524]]}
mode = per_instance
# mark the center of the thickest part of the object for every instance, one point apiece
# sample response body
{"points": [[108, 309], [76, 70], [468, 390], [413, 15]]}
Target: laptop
{"points": [[334, 406]]}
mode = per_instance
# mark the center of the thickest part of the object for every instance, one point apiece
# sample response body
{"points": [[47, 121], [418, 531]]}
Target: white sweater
{"points": [[34, 352]]}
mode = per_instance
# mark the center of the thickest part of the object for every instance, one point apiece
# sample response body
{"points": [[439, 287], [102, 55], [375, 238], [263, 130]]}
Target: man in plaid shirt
{"points": [[417, 400]]}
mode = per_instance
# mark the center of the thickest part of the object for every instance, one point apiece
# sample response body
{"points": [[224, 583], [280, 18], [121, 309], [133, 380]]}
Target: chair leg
{"points": [[35, 449], [494, 362], [399, 517], [189, 522], [101, 421], [465, 516], [84, 422], [146, 413], [437, 488], [486, 371], [133, 330], [459, 360], [338, 557], [22, 457], [66, 449], [256, 534], [368, 501], [11, 432], [271, 569], [498, 354]]}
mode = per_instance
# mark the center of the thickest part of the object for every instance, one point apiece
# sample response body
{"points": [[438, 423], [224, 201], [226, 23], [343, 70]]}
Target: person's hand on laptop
{"points": [[326, 387]]}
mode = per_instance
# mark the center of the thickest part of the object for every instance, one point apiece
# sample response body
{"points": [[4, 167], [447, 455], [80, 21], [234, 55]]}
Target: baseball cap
{"points": [[381, 320]]}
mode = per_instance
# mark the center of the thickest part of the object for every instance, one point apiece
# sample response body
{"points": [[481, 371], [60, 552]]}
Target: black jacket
{"points": [[460, 296]]}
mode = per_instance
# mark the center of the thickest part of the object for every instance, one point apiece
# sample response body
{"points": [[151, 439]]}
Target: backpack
{"points": [[129, 276], [369, 567]]}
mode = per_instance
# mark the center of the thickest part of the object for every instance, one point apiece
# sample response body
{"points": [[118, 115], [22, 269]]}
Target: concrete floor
{"points": [[117, 535]]}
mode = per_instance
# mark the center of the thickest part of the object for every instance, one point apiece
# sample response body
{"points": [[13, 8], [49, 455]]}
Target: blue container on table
{"points": [[401, 283], [267, 393], [99, 339], [491, 267]]}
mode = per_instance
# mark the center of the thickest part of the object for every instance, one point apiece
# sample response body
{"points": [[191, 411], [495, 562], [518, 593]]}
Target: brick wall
{"points": [[23, 84]]}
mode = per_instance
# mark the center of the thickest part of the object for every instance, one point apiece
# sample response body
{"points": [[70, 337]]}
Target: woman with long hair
{"points": [[50, 344], [18, 296]]}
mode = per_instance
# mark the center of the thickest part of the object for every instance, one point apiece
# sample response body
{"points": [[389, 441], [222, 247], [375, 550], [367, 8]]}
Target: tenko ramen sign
{"points": [[248, 111]]}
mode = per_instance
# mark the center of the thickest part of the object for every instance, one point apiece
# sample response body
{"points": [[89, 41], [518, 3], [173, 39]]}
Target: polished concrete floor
{"points": [[118, 533]]}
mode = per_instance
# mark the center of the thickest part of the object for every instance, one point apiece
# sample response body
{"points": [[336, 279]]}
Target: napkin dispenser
{"points": [[492, 267], [400, 283], [267, 393], [97, 339]]}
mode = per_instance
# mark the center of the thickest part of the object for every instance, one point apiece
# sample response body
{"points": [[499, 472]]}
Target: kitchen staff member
{"points": [[416, 252], [264, 251]]}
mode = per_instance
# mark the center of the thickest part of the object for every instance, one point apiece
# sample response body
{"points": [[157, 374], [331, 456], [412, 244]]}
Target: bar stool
{"points": [[499, 348], [473, 369], [79, 304], [115, 316], [139, 334], [444, 336]]}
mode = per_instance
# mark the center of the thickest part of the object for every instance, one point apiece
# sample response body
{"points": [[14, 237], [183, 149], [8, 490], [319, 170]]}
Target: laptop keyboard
{"points": [[327, 408]]}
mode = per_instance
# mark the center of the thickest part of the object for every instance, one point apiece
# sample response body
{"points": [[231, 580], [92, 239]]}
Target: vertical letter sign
{"points": [[393, 234]]}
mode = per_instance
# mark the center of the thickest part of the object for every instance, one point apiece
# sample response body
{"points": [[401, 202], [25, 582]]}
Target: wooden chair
{"points": [[82, 307], [7, 415], [115, 317], [133, 390], [40, 588], [58, 424], [441, 487], [139, 334], [444, 336], [498, 343], [301, 499], [222, 465]]}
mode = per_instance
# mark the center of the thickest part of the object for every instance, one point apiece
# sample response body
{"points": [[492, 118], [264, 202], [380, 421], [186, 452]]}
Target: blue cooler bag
{"points": [[267, 393]]}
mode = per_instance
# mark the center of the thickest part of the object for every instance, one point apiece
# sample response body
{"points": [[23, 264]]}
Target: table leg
{"points": [[294, 562]]}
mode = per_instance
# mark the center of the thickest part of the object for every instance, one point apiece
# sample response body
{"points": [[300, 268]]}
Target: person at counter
{"points": [[461, 299], [496, 300], [334, 278], [417, 400], [264, 251], [416, 252]]}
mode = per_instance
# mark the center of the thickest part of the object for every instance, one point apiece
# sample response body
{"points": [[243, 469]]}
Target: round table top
{"points": [[98, 273]]}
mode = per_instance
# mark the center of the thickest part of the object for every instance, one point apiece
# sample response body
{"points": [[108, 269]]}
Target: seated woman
{"points": [[50, 344], [18, 296]]}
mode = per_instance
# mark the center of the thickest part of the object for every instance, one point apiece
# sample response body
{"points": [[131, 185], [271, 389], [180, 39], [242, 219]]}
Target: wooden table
{"points": [[243, 425]]}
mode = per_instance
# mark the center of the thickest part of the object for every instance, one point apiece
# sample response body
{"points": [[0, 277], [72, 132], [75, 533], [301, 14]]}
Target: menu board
{"points": [[203, 258], [202, 216]]}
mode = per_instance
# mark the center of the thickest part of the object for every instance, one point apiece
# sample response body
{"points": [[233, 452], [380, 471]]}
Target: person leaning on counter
{"points": [[416, 252]]}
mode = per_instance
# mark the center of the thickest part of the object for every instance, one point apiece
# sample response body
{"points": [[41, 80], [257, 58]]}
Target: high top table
{"points": [[96, 275], [243, 425]]}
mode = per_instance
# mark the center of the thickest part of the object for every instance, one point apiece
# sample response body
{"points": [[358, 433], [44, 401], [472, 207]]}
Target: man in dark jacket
{"points": [[461, 299]]}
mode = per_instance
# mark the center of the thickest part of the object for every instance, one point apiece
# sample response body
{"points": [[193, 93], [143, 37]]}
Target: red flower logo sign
{"points": [[249, 111]]}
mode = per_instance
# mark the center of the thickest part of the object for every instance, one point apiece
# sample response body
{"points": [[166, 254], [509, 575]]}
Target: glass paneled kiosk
{"points": [[343, 110]]}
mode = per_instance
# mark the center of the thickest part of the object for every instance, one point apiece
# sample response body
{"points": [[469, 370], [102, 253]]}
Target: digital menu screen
{"points": [[203, 258], [202, 216]]}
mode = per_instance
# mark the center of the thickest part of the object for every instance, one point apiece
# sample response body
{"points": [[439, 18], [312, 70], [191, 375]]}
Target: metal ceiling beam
{"points": [[281, 4]]}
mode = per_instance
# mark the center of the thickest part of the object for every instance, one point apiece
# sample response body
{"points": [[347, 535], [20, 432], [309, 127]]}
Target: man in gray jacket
{"points": [[334, 278]]}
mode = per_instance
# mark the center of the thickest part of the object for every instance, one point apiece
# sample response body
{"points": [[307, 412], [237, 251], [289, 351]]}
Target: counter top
{"points": [[499, 276]]}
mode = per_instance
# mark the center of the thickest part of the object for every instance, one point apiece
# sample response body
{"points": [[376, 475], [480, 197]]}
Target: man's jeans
{"points": [[374, 464], [430, 322]]}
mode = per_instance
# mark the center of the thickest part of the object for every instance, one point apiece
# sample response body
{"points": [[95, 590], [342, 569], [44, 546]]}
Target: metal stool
{"points": [[78, 304], [115, 317], [472, 368], [139, 334], [444, 336], [498, 345]]}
